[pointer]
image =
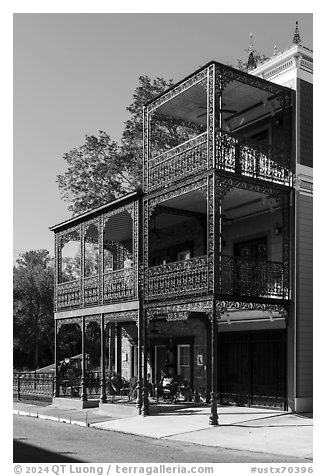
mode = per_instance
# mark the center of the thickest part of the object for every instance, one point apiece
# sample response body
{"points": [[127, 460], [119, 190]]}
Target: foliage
{"points": [[100, 171], [96, 174], [33, 279], [258, 58]]}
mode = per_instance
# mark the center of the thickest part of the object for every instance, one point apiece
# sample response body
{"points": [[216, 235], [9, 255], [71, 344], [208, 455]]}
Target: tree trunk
{"points": [[36, 356]]}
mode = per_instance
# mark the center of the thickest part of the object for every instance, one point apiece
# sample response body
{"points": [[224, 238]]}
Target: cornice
{"points": [[296, 57]]}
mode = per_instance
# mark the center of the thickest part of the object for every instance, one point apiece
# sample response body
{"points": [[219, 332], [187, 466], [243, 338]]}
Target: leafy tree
{"points": [[96, 174], [33, 279], [100, 171]]}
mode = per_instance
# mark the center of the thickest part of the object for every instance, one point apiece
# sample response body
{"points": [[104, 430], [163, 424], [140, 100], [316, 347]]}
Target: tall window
{"points": [[184, 361]]}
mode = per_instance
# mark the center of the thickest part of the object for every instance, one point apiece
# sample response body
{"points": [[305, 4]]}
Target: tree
{"points": [[96, 174], [100, 170], [33, 289], [257, 59]]}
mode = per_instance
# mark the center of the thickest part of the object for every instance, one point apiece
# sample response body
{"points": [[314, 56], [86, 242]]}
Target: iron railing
{"points": [[187, 277], [33, 383], [234, 154], [68, 294], [120, 285], [253, 159], [178, 163], [72, 386], [69, 384], [240, 276]]}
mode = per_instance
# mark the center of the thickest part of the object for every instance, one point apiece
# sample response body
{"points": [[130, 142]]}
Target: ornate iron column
{"points": [[82, 264], [138, 229], [56, 377], [110, 339], [83, 378], [215, 193], [139, 357], [213, 417], [103, 398], [101, 260], [285, 201], [145, 402]]}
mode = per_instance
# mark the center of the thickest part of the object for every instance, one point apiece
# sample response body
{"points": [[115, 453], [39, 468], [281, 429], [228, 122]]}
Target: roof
{"points": [[133, 196], [221, 66]]}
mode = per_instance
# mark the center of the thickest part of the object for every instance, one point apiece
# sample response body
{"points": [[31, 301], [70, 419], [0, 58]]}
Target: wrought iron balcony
{"points": [[238, 277], [253, 278], [252, 159], [181, 278], [119, 285], [178, 163], [233, 154], [68, 294], [114, 286]]}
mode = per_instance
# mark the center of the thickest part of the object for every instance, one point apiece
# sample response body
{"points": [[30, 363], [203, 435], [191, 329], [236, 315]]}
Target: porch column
{"points": [[83, 378], [110, 338], [213, 417], [145, 402], [117, 348], [139, 364], [56, 376], [103, 398]]}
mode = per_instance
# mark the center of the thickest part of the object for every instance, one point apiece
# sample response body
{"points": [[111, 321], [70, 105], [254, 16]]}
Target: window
{"points": [[254, 250], [184, 361]]}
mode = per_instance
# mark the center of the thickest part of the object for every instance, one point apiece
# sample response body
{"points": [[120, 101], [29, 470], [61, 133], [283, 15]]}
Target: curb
{"points": [[52, 418]]}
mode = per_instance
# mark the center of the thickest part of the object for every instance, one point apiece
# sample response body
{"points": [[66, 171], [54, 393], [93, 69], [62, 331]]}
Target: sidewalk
{"points": [[240, 428]]}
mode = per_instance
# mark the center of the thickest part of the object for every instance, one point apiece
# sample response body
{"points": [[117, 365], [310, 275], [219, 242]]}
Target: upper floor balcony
{"points": [[96, 256], [218, 118]]}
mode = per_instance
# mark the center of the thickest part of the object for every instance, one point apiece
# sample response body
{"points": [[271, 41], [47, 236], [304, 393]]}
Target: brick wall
{"points": [[192, 331], [128, 337]]}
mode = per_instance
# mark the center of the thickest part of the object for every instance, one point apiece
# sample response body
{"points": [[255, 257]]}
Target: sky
{"points": [[75, 74]]}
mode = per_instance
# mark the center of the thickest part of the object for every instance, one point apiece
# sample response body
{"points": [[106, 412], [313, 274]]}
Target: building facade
{"points": [[207, 272]]}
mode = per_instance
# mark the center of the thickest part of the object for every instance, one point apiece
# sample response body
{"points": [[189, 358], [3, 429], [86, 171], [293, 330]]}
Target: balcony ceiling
{"points": [[237, 204], [241, 105]]}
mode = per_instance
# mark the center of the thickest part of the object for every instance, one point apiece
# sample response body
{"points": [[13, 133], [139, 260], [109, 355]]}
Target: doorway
{"points": [[252, 368], [172, 357]]}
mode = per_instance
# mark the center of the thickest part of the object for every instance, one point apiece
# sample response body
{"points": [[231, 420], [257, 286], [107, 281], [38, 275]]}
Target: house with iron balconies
{"points": [[199, 274]]}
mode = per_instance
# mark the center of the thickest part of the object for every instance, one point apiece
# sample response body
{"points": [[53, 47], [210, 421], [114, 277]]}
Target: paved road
{"points": [[44, 441]]}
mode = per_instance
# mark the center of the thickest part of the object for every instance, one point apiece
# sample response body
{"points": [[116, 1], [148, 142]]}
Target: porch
{"points": [[218, 118]]}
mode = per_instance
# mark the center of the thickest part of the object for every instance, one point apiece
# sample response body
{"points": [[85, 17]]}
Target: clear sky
{"points": [[75, 73]]}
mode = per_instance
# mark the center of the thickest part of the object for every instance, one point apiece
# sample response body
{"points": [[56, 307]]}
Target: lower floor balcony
{"points": [[236, 276]]}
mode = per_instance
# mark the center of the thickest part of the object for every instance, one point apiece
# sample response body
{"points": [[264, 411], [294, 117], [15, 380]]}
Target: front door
{"points": [[172, 357], [252, 368]]}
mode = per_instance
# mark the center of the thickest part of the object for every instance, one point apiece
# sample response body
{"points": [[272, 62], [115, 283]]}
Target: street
{"points": [[44, 441]]}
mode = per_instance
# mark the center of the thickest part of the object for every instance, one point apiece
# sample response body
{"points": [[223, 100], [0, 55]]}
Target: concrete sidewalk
{"points": [[240, 428]]}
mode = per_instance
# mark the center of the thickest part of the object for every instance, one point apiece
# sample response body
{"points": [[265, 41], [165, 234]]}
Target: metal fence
{"points": [[37, 384], [33, 383]]}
